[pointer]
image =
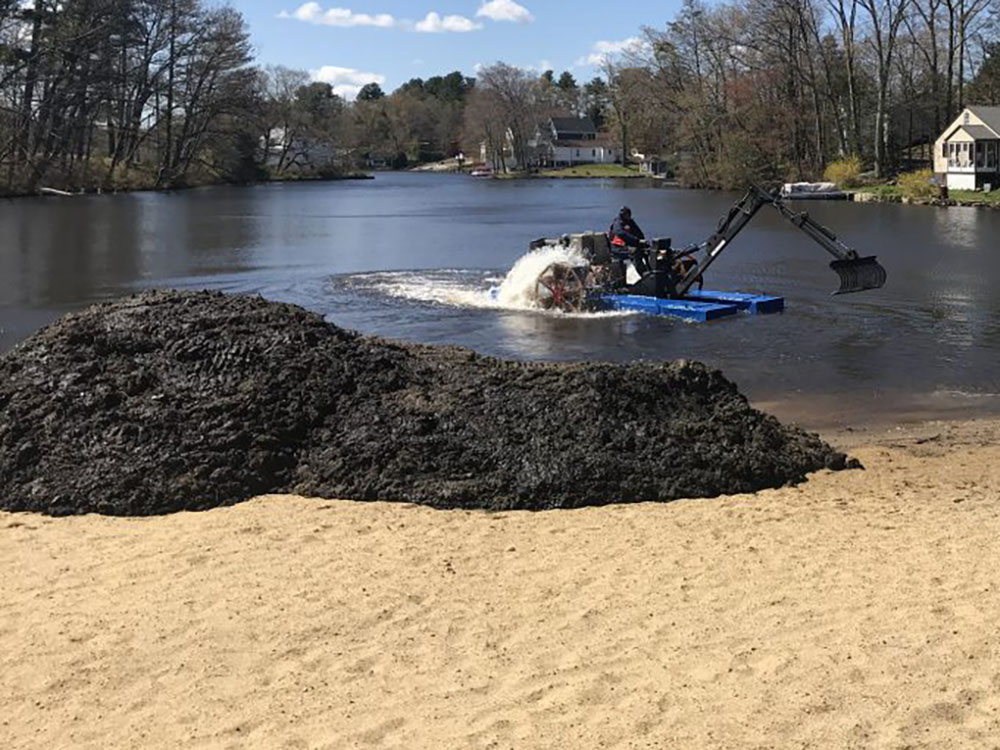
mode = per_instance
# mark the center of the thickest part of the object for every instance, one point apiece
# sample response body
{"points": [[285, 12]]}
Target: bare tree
{"points": [[91, 86], [885, 17], [846, 13], [514, 90], [484, 127], [285, 126]]}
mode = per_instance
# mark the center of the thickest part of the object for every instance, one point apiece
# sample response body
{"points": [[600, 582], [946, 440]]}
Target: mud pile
{"points": [[169, 401]]}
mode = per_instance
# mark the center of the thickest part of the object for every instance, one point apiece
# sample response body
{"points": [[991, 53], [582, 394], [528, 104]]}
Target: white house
{"points": [[600, 150], [968, 152], [565, 141], [562, 142], [292, 153]]}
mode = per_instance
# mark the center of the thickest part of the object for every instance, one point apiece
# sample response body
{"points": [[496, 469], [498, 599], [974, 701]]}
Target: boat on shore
{"points": [[822, 191]]}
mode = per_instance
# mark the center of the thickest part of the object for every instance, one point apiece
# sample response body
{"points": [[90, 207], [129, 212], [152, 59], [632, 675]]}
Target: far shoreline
{"points": [[46, 191], [579, 173], [863, 196], [885, 193]]}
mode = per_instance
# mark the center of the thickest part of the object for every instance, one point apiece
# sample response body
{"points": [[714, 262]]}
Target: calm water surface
{"points": [[410, 256]]}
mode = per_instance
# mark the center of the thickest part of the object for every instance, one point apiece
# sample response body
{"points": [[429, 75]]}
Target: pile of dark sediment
{"points": [[169, 401]]}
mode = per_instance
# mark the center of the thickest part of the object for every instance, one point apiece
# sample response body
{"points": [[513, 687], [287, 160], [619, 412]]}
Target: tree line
{"points": [[90, 88], [769, 89], [108, 94], [118, 94], [779, 88]]}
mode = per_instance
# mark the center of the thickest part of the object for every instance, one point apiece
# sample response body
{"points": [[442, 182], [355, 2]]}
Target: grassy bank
{"points": [[591, 170], [580, 171], [971, 196]]}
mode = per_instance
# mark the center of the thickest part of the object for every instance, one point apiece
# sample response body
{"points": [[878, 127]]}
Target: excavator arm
{"points": [[856, 273]]}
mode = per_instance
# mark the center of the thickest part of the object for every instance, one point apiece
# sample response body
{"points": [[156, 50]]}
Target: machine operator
{"points": [[627, 240]]}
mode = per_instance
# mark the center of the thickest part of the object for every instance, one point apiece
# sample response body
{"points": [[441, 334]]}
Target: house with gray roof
{"points": [[562, 142], [968, 152], [572, 128], [565, 141]]}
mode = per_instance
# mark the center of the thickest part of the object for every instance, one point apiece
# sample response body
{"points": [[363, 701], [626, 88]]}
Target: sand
{"points": [[859, 610]]}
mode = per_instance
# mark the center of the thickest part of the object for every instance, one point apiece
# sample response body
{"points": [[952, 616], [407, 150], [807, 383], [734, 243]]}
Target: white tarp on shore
{"points": [[796, 188]]}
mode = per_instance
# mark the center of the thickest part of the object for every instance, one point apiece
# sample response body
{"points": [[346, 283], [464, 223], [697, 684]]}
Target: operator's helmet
{"points": [[625, 212]]}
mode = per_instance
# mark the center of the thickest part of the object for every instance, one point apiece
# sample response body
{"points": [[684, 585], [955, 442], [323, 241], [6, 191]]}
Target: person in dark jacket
{"points": [[627, 240], [625, 230]]}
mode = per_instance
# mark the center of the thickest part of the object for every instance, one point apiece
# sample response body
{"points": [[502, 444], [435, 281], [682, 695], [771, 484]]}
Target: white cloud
{"points": [[346, 82], [600, 52], [505, 10], [312, 12], [435, 24], [541, 67]]}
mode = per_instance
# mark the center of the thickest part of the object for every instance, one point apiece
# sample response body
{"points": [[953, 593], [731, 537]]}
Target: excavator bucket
{"points": [[858, 274]]}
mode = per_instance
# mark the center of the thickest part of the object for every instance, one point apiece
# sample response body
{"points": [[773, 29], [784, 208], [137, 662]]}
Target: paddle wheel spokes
{"points": [[562, 287]]}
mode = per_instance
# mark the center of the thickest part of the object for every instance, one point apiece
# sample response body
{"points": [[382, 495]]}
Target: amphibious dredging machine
{"points": [[663, 281]]}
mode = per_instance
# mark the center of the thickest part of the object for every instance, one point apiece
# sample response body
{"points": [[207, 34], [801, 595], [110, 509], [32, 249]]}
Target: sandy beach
{"points": [[858, 610]]}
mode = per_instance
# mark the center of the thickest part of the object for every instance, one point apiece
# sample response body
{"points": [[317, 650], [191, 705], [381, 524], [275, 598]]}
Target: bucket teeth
{"points": [[859, 274]]}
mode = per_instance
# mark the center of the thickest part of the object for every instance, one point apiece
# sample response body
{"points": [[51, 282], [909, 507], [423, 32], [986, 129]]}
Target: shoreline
{"points": [[852, 196], [49, 192], [828, 413], [863, 197], [856, 609], [569, 174]]}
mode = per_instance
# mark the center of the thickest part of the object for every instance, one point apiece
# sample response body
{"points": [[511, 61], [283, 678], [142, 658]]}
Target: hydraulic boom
{"points": [[856, 273]]}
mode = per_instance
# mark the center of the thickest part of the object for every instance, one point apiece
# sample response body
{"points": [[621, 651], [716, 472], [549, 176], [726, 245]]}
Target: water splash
{"points": [[518, 290], [453, 288], [472, 289]]}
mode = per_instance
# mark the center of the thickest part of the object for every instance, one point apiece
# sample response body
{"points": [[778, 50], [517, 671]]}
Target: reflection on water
{"points": [[930, 338], [961, 227]]}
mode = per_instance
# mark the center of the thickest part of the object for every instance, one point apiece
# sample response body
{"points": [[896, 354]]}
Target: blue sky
{"points": [[390, 41]]}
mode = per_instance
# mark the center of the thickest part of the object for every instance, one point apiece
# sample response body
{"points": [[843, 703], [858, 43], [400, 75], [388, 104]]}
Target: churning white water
{"points": [[479, 289], [519, 288], [517, 291], [442, 287]]}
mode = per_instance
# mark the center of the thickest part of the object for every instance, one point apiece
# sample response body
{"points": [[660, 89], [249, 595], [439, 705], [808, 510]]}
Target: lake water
{"points": [[411, 256]]}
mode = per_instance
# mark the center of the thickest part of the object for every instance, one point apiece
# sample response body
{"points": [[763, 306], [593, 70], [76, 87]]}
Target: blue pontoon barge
{"points": [[700, 306]]}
